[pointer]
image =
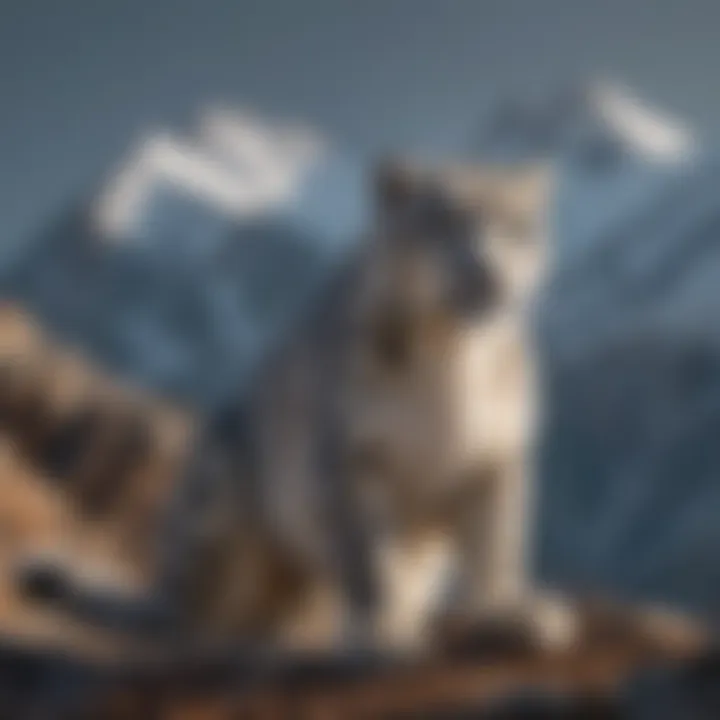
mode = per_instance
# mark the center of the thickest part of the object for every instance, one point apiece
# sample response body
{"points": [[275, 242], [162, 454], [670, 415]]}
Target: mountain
{"points": [[628, 470], [186, 259], [612, 150], [629, 179], [190, 257], [180, 267], [596, 124], [629, 460]]}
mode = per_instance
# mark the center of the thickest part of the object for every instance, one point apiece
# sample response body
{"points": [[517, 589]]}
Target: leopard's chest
{"points": [[493, 394]]}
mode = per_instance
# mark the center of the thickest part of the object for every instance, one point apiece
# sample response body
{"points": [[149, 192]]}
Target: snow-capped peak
{"points": [[246, 143], [652, 133], [236, 165], [594, 121]]}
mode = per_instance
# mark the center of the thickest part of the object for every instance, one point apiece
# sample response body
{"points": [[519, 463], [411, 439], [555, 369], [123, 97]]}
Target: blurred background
{"points": [[175, 175]]}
